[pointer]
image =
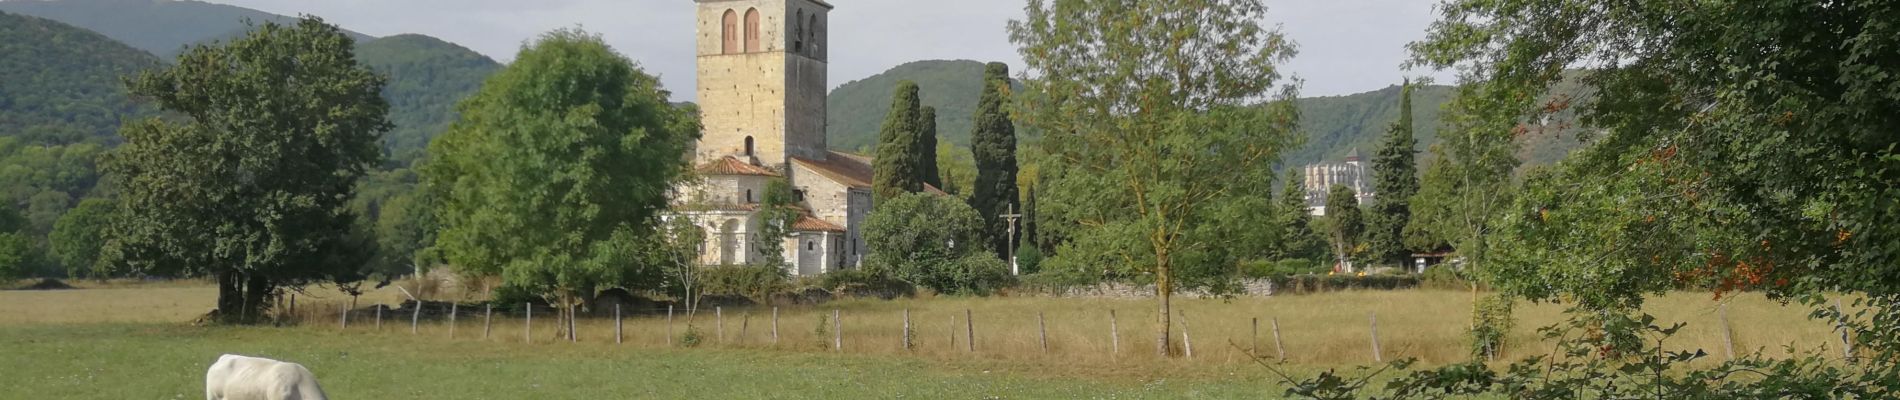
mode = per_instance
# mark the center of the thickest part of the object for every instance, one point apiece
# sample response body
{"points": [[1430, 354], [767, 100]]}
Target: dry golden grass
{"points": [[1317, 330]]}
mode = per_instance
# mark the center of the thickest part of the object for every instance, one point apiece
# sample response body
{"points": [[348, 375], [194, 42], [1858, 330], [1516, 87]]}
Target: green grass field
{"points": [[130, 341]]}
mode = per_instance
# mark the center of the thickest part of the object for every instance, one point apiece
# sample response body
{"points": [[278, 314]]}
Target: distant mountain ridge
{"points": [[856, 110], [61, 84], [160, 27]]}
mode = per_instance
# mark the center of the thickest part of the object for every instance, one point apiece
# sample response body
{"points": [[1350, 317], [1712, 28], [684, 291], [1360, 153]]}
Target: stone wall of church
{"points": [[826, 199], [728, 189], [773, 95]]}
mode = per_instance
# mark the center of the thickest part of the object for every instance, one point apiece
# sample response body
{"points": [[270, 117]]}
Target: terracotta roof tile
{"points": [[809, 224], [730, 165]]}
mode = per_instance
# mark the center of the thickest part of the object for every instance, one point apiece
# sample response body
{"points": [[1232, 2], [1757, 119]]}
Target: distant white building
{"points": [[1320, 178]]}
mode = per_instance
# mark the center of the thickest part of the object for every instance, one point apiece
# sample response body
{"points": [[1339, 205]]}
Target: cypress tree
{"points": [[895, 167], [1300, 241], [927, 147], [1395, 180], [993, 143]]}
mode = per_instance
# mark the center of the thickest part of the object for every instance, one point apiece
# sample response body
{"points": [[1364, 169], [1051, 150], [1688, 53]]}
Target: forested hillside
{"points": [[60, 84], [1337, 124], [427, 77], [160, 27], [856, 109]]}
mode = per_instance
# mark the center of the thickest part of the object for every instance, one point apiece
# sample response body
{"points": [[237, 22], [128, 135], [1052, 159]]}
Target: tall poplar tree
{"points": [[895, 168], [1394, 181], [251, 185], [993, 142], [1157, 146], [928, 172]]}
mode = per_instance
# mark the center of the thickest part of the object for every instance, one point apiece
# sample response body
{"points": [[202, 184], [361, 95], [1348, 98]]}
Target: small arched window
{"points": [[748, 146], [811, 34], [798, 33], [729, 33], [751, 30], [748, 196], [810, 246]]}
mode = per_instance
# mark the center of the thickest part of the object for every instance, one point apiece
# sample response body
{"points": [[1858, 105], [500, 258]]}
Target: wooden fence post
{"points": [[1114, 336], [293, 309], [837, 329], [488, 318], [415, 317], [379, 317], [1277, 344], [719, 324], [1042, 332], [745, 324], [1253, 340], [1728, 337], [527, 327], [453, 307], [953, 332], [774, 326], [1376, 356], [669, 324], [1187, 342], [969, 329], [906, 329], [617, 323], [346, 315]]}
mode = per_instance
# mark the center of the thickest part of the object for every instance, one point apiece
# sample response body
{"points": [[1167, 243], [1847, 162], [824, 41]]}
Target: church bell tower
{"points": [[762, 80]]}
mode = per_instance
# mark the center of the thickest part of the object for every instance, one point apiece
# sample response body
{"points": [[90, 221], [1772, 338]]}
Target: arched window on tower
{"points": [[811, 36], [751, 30], [748, 146], [798, 33], [729, 33]]}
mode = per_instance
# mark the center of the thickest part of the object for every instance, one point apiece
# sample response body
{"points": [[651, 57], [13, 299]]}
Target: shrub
{"points": [[1442, 277], [1315, 283], [862, 282], [1279, 268], [1029, 258], [754, 282]]}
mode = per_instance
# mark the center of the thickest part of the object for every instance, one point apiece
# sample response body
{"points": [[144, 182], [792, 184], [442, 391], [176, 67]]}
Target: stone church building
{"points": [[762, 89]]}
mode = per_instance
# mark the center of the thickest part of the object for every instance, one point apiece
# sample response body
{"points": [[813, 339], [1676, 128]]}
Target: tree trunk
{"points": [[256, 288], [1164, 291], [230, 296]]}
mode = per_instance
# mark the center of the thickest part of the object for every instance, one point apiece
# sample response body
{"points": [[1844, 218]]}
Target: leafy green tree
{"points": [[927, 147], [555, 175], [1298, 239], [1344, 225], [777, 212], [928, 240], [16, 248], [993, 143], [1154, 145], [1394, 181], [78, 236], [252, 185], [895, 169], [958, 169]]}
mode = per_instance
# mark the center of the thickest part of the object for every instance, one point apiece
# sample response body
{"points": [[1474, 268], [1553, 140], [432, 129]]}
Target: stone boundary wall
{"points": [[1116, 290]]}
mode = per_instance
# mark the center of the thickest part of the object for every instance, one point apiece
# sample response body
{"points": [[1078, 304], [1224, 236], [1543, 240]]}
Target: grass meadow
{"points": [[132, 341]]}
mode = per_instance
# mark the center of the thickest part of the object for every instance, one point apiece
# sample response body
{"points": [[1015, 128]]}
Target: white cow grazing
{"points": [[236, 377]]}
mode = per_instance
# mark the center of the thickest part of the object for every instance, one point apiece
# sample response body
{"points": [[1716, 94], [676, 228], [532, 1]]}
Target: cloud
{"points": [[1346, 46]]}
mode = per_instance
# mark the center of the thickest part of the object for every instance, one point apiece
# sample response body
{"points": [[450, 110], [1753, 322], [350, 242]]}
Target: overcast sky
{"points": [[1346, 46]]}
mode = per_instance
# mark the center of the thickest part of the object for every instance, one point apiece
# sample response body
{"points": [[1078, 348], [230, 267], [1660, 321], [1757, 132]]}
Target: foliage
{"points": [[251, 187], [777, 212], [427, 76], [678, 255], [993, 144], [1297, 238], [756, 282], [849, 282], [1394, 182], [1282, 268], [897, 165], [958, 168], [1344, 226], [1163, 163], [16, 255], [925, 239], [927, 148], [60, 84], [1444, 277], [78, 237], [554, 176], [856, 109], [1028, 258], [1491, 323]]}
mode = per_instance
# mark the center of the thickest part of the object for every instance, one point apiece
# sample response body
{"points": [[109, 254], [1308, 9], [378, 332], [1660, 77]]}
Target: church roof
{"points": [[1353, 155], [849, 169], [845, 168], [730, 165], [808, 224]]}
